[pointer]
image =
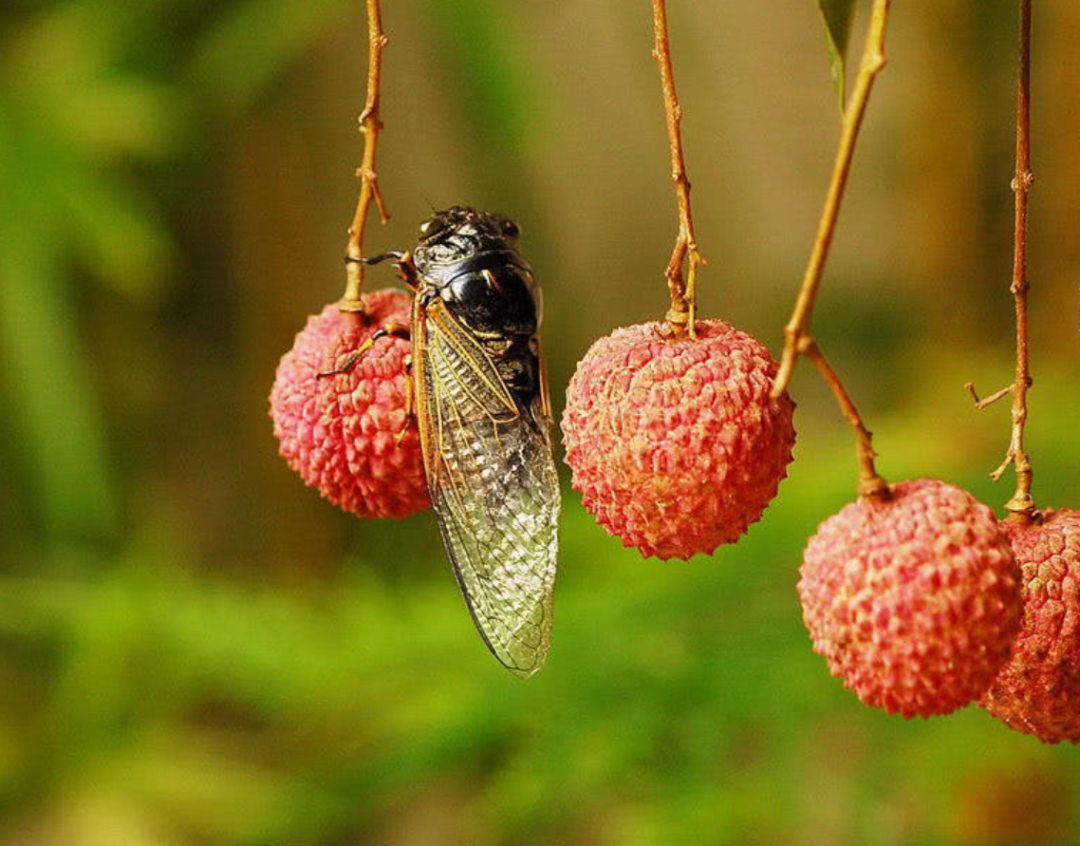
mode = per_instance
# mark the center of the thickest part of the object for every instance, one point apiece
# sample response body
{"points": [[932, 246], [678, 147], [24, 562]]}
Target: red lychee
{"points": [[340, 432], [913, 600], [674, 443], [1038, 690]]}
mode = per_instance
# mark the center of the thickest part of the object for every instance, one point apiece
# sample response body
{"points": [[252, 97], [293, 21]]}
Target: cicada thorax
{"points": [[476, 272]]}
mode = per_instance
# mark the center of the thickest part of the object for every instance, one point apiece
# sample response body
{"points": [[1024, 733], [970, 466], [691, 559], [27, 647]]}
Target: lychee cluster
{"points": [[1038, 690], [674, 443], [347, 433], [913, 599]]}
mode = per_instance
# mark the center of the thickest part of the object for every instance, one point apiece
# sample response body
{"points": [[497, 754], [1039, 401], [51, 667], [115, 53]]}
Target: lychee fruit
{"points": [[347, 433], [913, 598], [675, 443], [1038, 690]]}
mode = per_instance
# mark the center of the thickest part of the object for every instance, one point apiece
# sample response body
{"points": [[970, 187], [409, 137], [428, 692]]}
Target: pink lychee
{"points": [[1038, 690], [343, 432], [675, 443], [913, 600]]}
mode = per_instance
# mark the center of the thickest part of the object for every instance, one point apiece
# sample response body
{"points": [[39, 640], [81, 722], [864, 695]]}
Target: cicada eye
{"points": [[510, 229], [430, 228]]}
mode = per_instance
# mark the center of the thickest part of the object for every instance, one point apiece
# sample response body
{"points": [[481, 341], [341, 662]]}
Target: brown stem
{"points": [[871, 483], [798, 327], [370, 126], [1021, 506], [683, 309]]}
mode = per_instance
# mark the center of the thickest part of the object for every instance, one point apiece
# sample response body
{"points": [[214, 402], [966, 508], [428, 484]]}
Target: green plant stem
{"points": [[798, 327], [797, 338], [370, 126], [683, 293]]}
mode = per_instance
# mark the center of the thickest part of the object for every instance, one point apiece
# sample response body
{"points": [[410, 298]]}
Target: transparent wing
{"points": [[494, 489]]}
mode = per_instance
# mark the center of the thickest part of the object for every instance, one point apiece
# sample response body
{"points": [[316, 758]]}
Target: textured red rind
{"points": [[914, 601], [338, 432], [1038, 691], [675, 445]]}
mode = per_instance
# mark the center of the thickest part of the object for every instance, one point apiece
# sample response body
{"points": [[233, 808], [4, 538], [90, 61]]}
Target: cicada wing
{"points": [[494, 489]]}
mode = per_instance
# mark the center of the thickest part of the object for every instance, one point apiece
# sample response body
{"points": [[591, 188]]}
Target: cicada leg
{"points": [[397, 330], [389, 255], [411, 276], [404, 261], [408, 400]]}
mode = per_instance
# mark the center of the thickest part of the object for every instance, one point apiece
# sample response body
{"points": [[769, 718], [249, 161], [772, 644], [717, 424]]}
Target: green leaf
{"points": [[837, 16]]}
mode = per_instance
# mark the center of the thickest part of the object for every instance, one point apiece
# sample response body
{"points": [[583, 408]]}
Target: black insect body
{"points": [[481, 402]]}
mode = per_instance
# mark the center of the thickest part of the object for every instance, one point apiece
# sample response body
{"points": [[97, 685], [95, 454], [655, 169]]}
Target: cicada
{"points": [[480, 396]]}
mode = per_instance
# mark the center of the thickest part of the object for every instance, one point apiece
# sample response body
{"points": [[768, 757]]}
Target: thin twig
{"points": [[1021, 506], [798, 327], [871, 483], [370, 126], [986, 402], [683, 309]]}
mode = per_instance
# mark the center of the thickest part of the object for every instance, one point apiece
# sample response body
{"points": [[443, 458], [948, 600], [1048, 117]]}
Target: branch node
{"points": [[1022, 182], [352, 306]]}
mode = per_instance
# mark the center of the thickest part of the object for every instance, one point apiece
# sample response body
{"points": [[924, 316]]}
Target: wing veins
{"points": [[503, 563], [461, 341]]}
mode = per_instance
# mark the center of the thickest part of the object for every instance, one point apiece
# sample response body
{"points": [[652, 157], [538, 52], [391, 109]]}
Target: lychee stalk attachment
{"points": [[871, 483], [683, 311], [1021, 506], [370, 126], [797, 337]]}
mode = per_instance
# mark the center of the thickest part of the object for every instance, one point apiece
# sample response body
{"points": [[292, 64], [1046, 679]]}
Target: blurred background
{"points": [[195, 650]]}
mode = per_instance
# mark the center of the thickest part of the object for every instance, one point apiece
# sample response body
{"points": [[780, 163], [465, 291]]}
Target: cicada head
{"points": [[459, 232]]}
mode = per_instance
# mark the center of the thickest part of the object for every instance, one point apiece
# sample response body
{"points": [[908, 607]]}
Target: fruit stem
{"points": [[871, 484], [1021, 506], [370, 126], [797, 331], [683, 309]]}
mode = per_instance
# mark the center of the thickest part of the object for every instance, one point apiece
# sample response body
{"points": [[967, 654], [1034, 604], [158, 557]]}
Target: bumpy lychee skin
{"points": [[913, 601], [339, 432], [675, 445], [1038, 690]]}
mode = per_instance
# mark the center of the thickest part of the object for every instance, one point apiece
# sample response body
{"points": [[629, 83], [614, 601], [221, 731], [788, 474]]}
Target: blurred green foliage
{"points": [[195, 650]]}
